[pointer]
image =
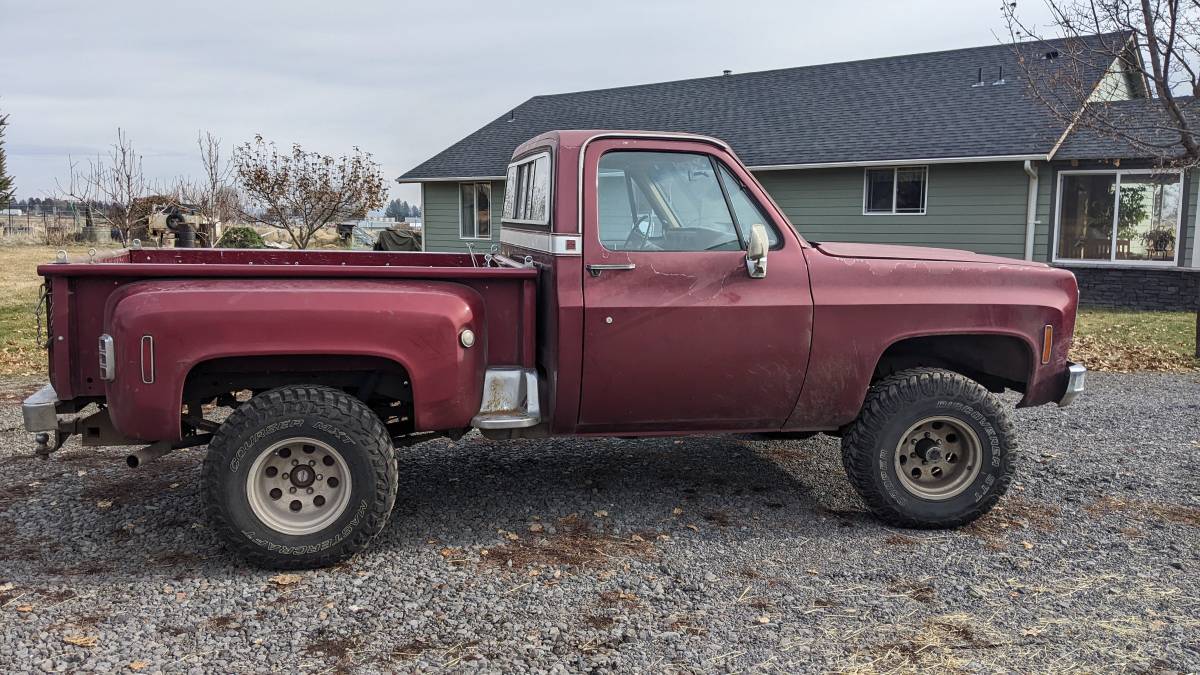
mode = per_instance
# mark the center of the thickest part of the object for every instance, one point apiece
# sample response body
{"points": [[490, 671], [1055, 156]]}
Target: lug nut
{"points": [[320, 477], [284, 476], [309, 491], [312, 462], [292, 490], [296, 462]]}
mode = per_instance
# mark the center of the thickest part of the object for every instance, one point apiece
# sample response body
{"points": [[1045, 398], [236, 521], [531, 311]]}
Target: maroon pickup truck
{"points": [[630, 296]]}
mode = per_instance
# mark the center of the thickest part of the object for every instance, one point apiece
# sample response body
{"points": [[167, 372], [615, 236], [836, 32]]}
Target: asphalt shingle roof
{"points": [[905, 107], [1144, 119]]}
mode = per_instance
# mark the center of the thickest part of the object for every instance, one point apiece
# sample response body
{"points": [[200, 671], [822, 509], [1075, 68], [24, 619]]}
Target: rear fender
{"points": [[162, 329]]}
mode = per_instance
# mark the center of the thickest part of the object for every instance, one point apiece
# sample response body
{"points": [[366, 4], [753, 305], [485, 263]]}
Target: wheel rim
{"points": [[298, 486], [938, 458]]}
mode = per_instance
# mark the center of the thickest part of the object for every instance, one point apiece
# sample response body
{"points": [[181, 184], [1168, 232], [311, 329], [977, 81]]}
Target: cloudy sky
{"points": [[402, 80]]}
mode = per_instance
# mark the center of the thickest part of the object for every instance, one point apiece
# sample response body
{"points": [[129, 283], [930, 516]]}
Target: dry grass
{"points": [[575, 545], [1123, 341], [1173, 513], [20, 286]]}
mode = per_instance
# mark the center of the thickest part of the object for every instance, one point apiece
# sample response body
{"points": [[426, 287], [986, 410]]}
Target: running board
{"points": [[510, 400]]}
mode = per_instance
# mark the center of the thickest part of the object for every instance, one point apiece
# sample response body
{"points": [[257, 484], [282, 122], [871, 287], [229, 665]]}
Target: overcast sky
{"points": [[402, 80]]}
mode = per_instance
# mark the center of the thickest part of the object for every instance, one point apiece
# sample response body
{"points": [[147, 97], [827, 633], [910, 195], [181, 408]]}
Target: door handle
{"points": [[596, 269]]}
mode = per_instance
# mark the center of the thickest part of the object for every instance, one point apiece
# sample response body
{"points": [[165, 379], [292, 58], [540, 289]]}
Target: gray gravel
{"points": [[698, 554]]}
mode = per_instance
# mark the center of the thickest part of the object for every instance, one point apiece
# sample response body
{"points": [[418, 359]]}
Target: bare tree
{"points": [[116, 181], [1154, 43], [301, 192], [213, 194]]}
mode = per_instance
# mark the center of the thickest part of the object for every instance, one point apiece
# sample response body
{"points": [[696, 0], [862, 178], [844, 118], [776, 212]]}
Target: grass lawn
{"points": [[1124, 341], [1104, 339]]}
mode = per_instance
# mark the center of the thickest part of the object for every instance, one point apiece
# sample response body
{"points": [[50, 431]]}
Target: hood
{"points": [[839, 249]]}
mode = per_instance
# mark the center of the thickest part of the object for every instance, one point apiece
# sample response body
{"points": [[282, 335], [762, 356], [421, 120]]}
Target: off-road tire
{"points": [[327, 415], [896, 402]]}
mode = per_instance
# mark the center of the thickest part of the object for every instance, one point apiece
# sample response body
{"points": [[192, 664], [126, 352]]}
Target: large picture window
{"points": [[475, 210], [895, 190], [1118, 216]]}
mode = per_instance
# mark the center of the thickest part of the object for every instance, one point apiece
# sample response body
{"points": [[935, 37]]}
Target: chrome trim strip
{"points": [[1076, 380], [546, 242], [147, 375], [40, 410]]}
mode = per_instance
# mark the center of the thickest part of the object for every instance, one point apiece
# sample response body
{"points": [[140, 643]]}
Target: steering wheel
{"points": [[637, 239]]}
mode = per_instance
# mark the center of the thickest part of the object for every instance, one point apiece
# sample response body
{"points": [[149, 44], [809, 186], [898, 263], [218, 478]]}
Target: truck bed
{"points": [[77, 293]]}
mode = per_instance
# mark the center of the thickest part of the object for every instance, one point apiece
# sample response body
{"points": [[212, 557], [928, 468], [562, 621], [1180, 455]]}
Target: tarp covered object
{"points": [[397, 240]]}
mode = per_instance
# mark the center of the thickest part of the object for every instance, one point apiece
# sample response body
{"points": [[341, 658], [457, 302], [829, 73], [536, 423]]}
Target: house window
{"points": [[527, 191], [1118, 216], [895, 190], [475, 210]]}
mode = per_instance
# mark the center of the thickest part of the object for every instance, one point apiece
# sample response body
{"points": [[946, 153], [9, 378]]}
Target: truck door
{"points": [[677, 335]]}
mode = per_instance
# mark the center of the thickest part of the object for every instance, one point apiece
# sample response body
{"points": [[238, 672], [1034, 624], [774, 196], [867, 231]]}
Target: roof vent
{"points": [[978, 78], [1052, 54], [1000, 76], [726, 72]]}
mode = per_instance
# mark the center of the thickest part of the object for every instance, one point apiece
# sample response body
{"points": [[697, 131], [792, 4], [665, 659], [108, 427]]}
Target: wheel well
{"points": [[382, 384], [998, 362]]}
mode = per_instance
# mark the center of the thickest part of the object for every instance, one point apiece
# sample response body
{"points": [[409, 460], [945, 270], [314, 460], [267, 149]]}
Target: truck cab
{"points": [[645, 284]]}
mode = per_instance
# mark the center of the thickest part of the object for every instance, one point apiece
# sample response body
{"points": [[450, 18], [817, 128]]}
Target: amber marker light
{"points": [[1047, 342]]}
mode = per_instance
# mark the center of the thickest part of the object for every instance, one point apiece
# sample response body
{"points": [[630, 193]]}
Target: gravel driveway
{"points": [[699, 554]]}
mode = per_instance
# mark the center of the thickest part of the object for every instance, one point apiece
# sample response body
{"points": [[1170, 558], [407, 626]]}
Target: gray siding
{"points": [[440, 214], [979, 207], [1045, 216]]}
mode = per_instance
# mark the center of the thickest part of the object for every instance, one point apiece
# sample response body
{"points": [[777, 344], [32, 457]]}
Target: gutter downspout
{"points": [[1030, 209]]}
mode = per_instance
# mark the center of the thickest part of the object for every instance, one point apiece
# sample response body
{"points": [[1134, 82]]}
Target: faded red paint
{"points": [[684, 342]]}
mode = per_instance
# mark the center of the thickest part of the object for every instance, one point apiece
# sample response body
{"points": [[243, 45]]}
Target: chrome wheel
{"points": [[298, 486], [938, 458]]}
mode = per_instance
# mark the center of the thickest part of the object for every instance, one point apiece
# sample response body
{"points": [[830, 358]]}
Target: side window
{"points": [[745, 208], [475, 205], [663, 201], [527, 191]]}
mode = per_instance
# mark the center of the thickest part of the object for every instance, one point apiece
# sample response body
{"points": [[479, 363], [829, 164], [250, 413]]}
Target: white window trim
{"points": [[475, 211], [549, 190], [1112, 251], [894, 212]]}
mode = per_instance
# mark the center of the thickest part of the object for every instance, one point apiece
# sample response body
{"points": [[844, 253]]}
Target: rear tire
{"points": [[300, 477], [930, 449]]}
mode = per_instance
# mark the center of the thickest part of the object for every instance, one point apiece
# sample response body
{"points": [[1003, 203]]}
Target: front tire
{"points": [[300, 477], [931, 448]]}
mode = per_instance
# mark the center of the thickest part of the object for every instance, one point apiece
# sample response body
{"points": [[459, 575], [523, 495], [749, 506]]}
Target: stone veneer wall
{"points": [[1163, 289]]}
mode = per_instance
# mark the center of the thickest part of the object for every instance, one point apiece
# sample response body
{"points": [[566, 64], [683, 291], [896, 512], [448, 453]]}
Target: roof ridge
{"points": [[1049, 42]]}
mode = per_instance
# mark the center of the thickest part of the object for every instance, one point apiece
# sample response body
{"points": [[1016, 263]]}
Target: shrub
{"points": [[241, 237]]}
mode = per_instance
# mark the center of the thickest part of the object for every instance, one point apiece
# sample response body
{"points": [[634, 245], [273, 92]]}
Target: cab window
{"points": [[663, 201]]}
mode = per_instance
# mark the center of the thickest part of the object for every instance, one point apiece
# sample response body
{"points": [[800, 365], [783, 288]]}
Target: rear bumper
{"points": [[1076, 375], [41, 410]]}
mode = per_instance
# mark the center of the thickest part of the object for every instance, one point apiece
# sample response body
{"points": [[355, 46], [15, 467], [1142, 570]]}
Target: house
{"points": [[939, 149]]}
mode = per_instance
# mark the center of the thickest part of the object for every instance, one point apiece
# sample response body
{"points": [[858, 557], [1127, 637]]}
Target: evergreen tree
{"points": [[397, 209], [7, 187]]}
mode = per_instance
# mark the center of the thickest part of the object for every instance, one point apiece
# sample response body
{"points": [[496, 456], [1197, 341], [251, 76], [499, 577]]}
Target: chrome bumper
{"points": [[1076, 374], [40, 410]]}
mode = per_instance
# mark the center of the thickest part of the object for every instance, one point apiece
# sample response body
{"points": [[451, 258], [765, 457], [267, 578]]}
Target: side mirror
{"points": [[756, 251]]}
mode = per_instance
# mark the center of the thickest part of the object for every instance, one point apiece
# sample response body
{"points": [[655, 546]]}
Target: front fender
{"points": [[414, 323]]}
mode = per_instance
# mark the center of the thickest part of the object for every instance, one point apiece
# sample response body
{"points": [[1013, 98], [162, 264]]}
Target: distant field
{"points": [[1104, 339]]}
